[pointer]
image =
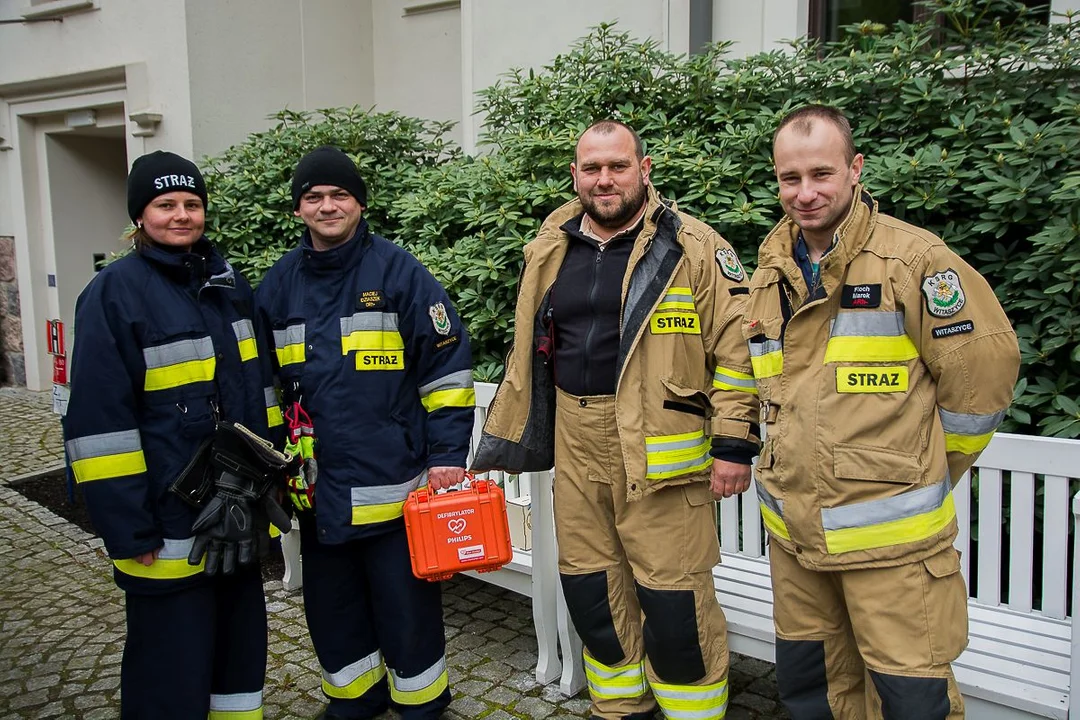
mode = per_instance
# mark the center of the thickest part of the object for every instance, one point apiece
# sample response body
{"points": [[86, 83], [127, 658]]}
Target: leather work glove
{"points": [[225, 531]]}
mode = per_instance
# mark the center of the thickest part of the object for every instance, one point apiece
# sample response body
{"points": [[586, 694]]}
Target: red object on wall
{"points": [[59, 370]]}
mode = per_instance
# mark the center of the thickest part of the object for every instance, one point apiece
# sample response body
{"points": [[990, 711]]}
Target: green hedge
{"points": [[969, 128]]}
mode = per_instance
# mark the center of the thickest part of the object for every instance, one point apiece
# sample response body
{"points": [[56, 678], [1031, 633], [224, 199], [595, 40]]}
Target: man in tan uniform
{"points": [[630, 372], [884, 363]]}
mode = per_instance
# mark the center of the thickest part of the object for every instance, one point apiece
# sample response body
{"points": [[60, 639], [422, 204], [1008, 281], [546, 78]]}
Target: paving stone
{"points": [[534, 708]]}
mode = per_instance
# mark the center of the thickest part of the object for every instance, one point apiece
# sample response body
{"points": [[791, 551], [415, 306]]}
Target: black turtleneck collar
{"points": [[339, 258], [200, 263]]}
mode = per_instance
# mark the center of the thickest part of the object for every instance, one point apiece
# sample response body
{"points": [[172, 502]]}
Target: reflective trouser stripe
{"points": [[728, 379], [692, 702], [273, 409], [767, 358], [171, 563], [969, 433], [606, 681], [236, 706], [868, 336], [452, 390], [383, 502], [179, 363], [421, 688], [107, 455], [909, 517], [354, 680], [289, 344], [772, 513], [245, 338], [671, 455], [677, 298]]}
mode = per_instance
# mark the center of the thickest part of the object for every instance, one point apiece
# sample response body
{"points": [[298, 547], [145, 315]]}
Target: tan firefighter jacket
{"points": [[878, 395], [684, 381]]}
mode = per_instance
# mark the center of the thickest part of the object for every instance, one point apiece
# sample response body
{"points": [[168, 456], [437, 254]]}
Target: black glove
{"points": [[225, 531]]}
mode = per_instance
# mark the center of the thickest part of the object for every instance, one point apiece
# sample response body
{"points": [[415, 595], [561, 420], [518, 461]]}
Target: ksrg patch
{"points": [[666, 323], [944, 295], [439, 318], [730, 265], [872, 379]]}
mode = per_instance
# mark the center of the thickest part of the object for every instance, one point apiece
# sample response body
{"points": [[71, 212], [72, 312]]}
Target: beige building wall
{"points": [[759, 26]]}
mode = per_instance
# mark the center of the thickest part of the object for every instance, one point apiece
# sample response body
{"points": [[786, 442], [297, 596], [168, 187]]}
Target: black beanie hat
{"points": [[159, 173], [327, 165]]}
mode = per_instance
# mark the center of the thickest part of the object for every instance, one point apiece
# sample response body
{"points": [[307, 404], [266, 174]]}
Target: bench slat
{"points": [[1021, 539], [1055, 540]]}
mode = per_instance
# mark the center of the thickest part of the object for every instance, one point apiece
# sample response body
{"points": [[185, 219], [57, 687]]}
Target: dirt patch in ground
{"points": [[50, 491]]}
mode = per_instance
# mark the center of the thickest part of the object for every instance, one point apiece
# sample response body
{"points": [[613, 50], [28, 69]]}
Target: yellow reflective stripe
{"points": [[728, 379], [161, 569], [274, 416], [774, 523], [664, 439], [170, 376], [967, 444], [675, 305], [247, 349], [606, 681], [109, 466], [700, 702], [357, 687], [870, 349], [893, 532], [372, 340], [768, 365], [290, 354], [368, 514], [663, 457], [236, 714], [421, 696], [458, 397]]}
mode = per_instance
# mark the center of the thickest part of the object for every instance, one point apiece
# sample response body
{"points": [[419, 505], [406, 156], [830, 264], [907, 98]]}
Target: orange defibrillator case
{"points": [[457, 530]]}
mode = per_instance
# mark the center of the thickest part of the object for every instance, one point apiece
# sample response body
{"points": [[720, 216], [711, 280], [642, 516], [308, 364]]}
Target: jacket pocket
{"points": [[681, 398], [946, 606], [861, 462]]}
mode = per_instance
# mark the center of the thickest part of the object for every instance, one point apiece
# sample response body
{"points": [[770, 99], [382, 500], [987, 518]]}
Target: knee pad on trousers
{"points": [[670, 634], [801, 679], [587, 603], [911, 698]]}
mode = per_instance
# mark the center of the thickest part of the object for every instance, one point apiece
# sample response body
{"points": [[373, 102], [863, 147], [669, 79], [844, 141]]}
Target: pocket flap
{"points": [[944, 564], [679, 387], [862, 462], [765, 459], [698, 493]]}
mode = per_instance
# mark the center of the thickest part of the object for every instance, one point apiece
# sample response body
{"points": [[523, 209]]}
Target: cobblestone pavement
{"points": [[62, 620]]}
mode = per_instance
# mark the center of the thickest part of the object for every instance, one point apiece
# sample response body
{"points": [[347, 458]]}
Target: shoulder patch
{"points": [[944, 295], [730, 265], [439, 319]]}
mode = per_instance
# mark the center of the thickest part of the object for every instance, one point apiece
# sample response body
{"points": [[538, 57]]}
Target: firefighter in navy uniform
{"points": [[646, 405], [884, 363], [166, 344], [369, 348]]}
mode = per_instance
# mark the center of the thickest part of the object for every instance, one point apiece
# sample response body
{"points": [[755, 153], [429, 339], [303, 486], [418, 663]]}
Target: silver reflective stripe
{"points": [[175, 549], [653, 469], [455, 380], [627, 671], [382, 494], [368, 321], [270, 396], [349, 673], [236, 702], [777, 506], [113, 443], [179, 352], [759, 349], [421, 681], [864, 324], [723, 377], [244, 330], [898, 507], [292, 335], [677, 297], [714, 698], [653, 446], [970, 423]]}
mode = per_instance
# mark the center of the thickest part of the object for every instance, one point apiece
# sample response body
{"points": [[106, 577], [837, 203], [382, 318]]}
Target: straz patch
{"points": [[861, 296], [370, 300], [439, 318], [730, 265], [380, 360], [959, 328], [664, 323], [872, 379], [944, 295]]}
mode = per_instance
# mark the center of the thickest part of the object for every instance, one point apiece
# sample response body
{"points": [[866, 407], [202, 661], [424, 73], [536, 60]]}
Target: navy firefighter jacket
{"points": [[383, 367], [165, 342]]}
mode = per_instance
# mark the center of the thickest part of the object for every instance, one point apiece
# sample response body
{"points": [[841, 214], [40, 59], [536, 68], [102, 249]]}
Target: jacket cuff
{"points": [[733, 450]]}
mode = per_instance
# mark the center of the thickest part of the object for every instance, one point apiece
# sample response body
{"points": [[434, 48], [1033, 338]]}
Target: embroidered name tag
{"points": [[861, 296], [370, 300], [664, 323], [959, 328], [387, 360], [872, 379]]}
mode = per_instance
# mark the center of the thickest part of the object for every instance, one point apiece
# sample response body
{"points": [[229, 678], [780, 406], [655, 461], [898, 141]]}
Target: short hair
{"points": [[803, 121], [606, 127]]}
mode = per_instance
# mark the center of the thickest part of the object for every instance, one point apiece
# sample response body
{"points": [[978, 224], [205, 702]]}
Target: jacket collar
{"points": [[336, 259], [202, 264]]}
